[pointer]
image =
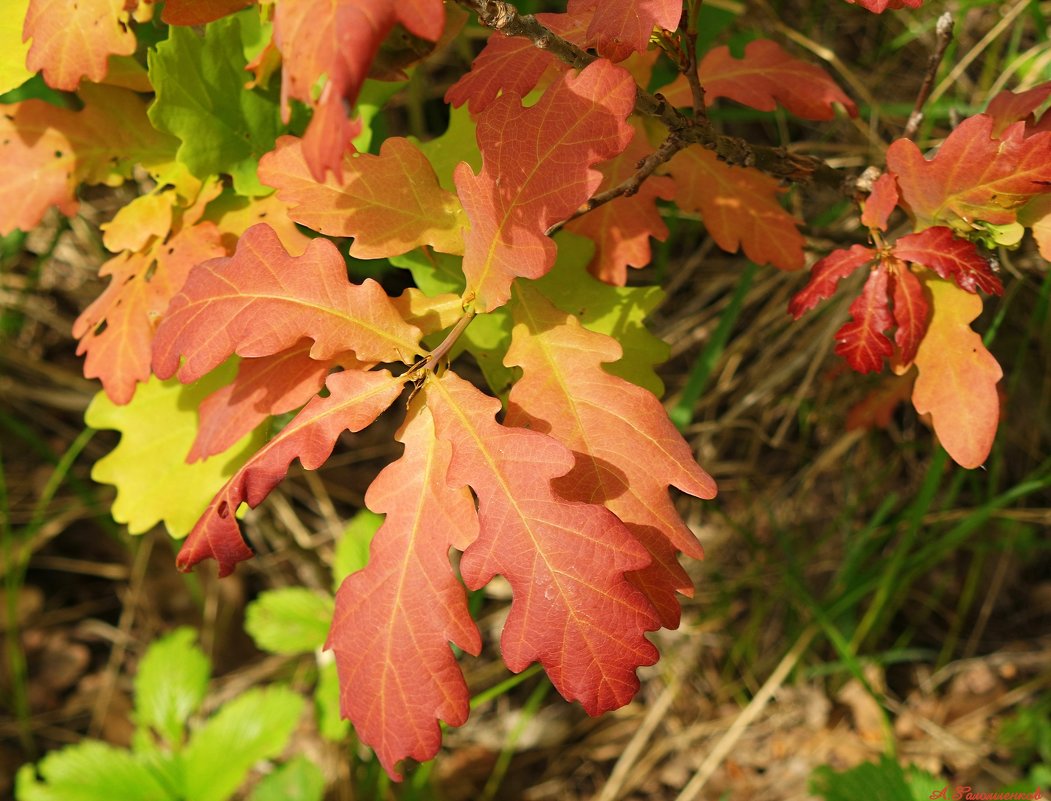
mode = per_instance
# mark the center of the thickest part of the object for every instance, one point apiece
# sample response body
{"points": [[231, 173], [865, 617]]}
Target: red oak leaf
{"points": [[47, 151], [739, 207], [116, 330], [355, 399], [973, 176], [198, 12], [513, 64], [261, 301], [911, 312], [539, 176], [939, 249], [75, 40], [264, 386], [621, 229], [957, 377], [880, 202], [626, 449], [1009, 107], [619, 28], [861, 340], [394, 619], [825, 276], [390, 203], [574, 610], [764, 77], [337, 40], [879, 6]]}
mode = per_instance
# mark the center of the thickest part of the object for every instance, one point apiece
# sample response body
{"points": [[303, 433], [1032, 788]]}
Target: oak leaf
{"points": [[862, 340], [880, 203], [739, 207], [355, 399], [957, 377], [74, 40], [911, 312], [390, 203], [579, 121], [626, 449], [13, 49], [621, 229], [825, 276], [198, 12], [574, 609], [762, 78], [1010, 107], [261, 301], [619, 28], [263, 387], [116, 330], [879, 6], [337, 40], [157, 429], [394, 619], [951, 257], [973, 176]]}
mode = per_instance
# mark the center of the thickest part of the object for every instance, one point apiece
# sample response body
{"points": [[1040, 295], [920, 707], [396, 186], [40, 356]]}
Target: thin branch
{"points": [[700, 111], [644, 169], [944, 32], [775, 161]]}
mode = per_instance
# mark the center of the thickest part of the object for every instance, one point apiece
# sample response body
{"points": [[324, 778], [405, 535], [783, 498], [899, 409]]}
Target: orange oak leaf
{"points": [[116, 330], [262, 301], [514, 64], [1036, 215], [621, 229], [337, 40], [355, 399], [825, 276], [619, 28], [144, 218], [862, 340], [47, 151], [1009, 107], [198, 12], [574, 609], [234, 214], [739, 207], [877, 407], [74, 40], [627, 452], [957, 377], [911, 312], [880, 203], [763, 78], [939, 249], [539, 176], [263, 386], [390, 203], [394, 619], [973, 176]]}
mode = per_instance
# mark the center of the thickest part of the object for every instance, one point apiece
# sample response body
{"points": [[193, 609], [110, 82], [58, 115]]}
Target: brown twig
{"points": [[644, 169], [775, 161], [700, 111], [944, 32]]}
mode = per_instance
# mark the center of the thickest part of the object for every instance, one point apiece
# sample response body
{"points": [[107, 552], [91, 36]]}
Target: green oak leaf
{"points": [[171, 684], [352, 550], [201, 99], [619, 312], [154, 483], [457, 144]]}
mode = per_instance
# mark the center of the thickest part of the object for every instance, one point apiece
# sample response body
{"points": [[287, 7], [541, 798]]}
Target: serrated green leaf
{"points": [[154, 483], [171, 684], [882, 781], [617, 311], [89, 771], [290, 620], [201, 99], [256, 725], [352, 550], [330, 721], [296, 780]]}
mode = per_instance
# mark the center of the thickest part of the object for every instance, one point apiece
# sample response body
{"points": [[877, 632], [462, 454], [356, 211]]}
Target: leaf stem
{"points": [[445, 346]]}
